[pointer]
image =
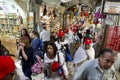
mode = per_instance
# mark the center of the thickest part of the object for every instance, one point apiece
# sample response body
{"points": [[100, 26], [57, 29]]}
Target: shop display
{"points": [[51, 16], [111, 20], [31, 20], [9, 26], [9, 29]]}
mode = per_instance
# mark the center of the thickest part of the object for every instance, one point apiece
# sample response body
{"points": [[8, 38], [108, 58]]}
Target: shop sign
{"points": [[111, 19], [111, 7], [84, 8]]}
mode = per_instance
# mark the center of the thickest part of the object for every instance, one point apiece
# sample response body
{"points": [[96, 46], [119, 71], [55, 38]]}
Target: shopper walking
{"points": [[87, 35], [63, 45], [25, 51], [51, 56], [79, 58], [25, 34], [89, 49], [37, 45], [98, 69], [45, 36]]}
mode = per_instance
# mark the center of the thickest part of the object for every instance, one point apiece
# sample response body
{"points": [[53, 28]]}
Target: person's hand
{"points": [[38, 57], [20, 47]]}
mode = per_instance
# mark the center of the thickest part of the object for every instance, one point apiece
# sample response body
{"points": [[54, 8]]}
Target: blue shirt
{"points": [[35, 43]]}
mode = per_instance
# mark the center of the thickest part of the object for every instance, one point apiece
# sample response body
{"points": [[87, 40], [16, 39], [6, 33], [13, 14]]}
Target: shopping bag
{"points": [[38, 67], [68, 57], [55, 66]]}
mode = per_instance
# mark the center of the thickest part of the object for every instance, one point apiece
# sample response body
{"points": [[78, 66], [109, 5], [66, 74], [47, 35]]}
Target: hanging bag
{"points": [[60, 70], [40, 49], [68, 57], [38, 67], [55, 65]]}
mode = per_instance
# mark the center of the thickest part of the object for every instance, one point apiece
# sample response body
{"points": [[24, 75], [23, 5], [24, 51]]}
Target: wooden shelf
{"points": [[10, 23]]}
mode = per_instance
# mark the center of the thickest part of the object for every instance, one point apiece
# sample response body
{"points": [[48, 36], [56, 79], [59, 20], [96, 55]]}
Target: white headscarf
{"points": [[80, 55]]}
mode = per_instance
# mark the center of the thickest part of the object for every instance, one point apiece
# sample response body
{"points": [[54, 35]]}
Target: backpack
{"points": [[40, 46], [65, 49], [39, 50]]}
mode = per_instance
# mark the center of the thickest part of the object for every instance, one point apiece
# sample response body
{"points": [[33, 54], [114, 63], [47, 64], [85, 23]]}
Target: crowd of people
{"points": [[56, 50]]}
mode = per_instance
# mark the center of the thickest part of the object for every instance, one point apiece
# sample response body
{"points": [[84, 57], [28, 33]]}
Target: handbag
{"points": [[55, 66], [39, 50], [38, 67], [60, 70], [68, 57], [40, 53]]}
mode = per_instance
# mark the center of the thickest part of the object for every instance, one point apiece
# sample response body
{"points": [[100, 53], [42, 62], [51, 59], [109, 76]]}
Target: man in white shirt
{"points": [[45, 36]]}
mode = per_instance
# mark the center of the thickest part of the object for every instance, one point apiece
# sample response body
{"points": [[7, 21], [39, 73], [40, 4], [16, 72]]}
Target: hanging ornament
{"points": [[44, 11], [95, 21]]}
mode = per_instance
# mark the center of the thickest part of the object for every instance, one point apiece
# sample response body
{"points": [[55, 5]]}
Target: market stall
{"points": [[52, 16], [11, 22], [112, 29]]}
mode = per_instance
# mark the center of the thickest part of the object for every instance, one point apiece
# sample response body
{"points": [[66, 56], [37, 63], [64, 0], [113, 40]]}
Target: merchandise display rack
{"points": [[9, 25]]}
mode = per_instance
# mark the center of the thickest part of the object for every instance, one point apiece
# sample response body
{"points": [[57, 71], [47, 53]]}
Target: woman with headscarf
{"points": [[84, 53]]}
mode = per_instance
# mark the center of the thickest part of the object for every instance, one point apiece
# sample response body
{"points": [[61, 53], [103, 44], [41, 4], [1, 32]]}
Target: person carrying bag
{"points": [[38, 67]]}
